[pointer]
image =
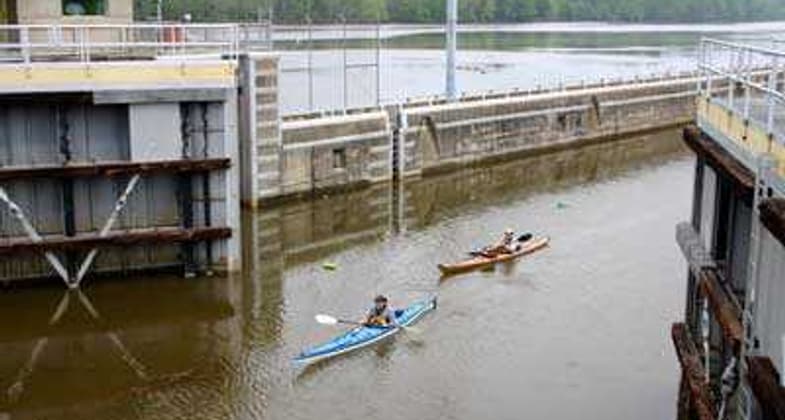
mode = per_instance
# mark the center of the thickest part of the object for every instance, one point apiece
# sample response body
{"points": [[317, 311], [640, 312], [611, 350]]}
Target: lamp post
{"points": [[452, 38]]}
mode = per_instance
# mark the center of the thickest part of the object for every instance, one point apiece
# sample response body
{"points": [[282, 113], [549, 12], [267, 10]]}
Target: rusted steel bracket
{"points": [[114, 169], [765, 383], [693, 372], [118, 238], [727, 314], [772, 215], [720, 159], [703, 267], [17, 212]]}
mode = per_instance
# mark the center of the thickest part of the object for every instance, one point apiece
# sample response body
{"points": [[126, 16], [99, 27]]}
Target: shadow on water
{"points": [[219, 347]]}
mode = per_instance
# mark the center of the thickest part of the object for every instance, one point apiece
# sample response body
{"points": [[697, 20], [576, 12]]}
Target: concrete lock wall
{"points": [[462, 133], [336, 152], [323, 152]]}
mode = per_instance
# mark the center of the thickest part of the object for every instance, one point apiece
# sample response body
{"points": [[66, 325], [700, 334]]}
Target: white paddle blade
{"points": [[326, 319]]}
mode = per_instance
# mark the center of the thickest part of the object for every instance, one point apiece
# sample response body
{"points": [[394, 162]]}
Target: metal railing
{"points": [[751, 71], [85, 43]]}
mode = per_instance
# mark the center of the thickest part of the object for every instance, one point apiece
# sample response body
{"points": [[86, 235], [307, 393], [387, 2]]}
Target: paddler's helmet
{"points": [[380, 299]]}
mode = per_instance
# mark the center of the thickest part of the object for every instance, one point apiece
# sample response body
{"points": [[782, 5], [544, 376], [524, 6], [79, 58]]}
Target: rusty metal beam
{"points": [[772, 214], [110, 169], [114, 238], [765, 383], [723, 309], [693, 373], [720, 159]]}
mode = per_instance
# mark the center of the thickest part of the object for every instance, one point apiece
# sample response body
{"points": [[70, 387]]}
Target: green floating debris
{"points": [[561, 205], [330, 266]]}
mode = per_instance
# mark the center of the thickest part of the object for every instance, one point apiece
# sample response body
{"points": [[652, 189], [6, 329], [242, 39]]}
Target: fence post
{"points": [[24, 38]]}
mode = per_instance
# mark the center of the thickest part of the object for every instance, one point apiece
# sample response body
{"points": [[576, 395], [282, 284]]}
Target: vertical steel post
{"points": [[310, 63], [452, 41], [345, 68], [378, 62], [770, 100]]}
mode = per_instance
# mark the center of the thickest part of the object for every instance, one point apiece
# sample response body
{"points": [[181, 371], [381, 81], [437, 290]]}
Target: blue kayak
{"points": [[360, 337]]}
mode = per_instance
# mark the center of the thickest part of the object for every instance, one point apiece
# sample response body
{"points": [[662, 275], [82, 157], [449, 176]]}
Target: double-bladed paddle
{"points": [[331, 320]]}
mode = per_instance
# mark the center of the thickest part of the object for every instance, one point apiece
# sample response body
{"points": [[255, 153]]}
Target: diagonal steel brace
{"points": [[17, 212], [118, 207]]}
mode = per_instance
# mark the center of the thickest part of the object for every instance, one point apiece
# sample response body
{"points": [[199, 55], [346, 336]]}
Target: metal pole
{"points": [[310, 64], [159, 11], [452, 38], [378, 62], [345, 69]]}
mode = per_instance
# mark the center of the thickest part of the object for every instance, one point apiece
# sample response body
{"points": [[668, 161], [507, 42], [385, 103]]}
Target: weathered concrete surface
{"points": [[259, 127], [335, 152], [456, 134], [51, 11]]}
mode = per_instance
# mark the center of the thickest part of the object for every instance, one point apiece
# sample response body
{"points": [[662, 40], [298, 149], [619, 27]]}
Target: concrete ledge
{"points": [[127, 75], [455, 164], [293, 197]]}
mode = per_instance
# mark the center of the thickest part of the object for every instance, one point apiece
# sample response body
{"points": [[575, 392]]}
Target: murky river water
{"points": [[579, 330]]}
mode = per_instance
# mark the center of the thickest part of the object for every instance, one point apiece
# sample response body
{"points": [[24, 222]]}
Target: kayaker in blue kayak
{"points": [[380, 314]]}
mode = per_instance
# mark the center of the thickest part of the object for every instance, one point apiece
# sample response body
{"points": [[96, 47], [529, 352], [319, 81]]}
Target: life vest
{"points": [[377, 317]]}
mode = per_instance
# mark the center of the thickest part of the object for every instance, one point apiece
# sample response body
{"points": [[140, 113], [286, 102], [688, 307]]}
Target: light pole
{"points": [[159, 11], [452, 38]]}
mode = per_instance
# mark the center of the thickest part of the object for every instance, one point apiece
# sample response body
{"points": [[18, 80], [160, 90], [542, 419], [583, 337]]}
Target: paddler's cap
{"points": [[380, 299], [509, 232]]}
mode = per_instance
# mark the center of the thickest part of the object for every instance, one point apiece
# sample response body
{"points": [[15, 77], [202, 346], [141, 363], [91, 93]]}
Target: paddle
{"points": [[523, 238], [331, 320]]}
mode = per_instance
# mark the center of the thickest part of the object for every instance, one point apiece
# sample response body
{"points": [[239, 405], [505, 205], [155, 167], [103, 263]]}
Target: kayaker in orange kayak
{"points": [[380, 314], [505, 245]]}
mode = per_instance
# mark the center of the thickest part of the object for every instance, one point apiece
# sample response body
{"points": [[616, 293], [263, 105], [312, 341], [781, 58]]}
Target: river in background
{"points": [[491, 57], [579, 330]]}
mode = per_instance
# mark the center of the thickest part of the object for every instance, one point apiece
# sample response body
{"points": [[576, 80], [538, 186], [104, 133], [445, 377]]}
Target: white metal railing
{"points": [[755, 70], [85, 43]]}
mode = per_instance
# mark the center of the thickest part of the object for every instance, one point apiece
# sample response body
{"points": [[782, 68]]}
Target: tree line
{"points": [[473, 11]]}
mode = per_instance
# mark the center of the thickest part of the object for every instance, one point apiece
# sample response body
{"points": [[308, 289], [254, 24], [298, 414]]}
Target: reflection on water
{"points": [[504, 343]]}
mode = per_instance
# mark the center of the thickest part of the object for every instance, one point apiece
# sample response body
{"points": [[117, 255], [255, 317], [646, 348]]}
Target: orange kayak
{"points": [[474, 263]]}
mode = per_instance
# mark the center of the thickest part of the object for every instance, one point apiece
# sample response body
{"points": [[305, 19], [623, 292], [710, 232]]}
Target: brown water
{"points": [[577, 331]]}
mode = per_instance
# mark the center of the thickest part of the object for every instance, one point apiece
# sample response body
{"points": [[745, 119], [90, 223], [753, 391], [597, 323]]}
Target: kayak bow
{"points": [[365, 336], [480, 261]]}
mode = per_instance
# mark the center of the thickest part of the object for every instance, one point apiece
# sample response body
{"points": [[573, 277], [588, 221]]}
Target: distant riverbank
{"points": [[394, 30]]}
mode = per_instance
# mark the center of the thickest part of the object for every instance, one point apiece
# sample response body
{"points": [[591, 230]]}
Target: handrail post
{"points": [[24, 39], [747, 77], [771, 103]]}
